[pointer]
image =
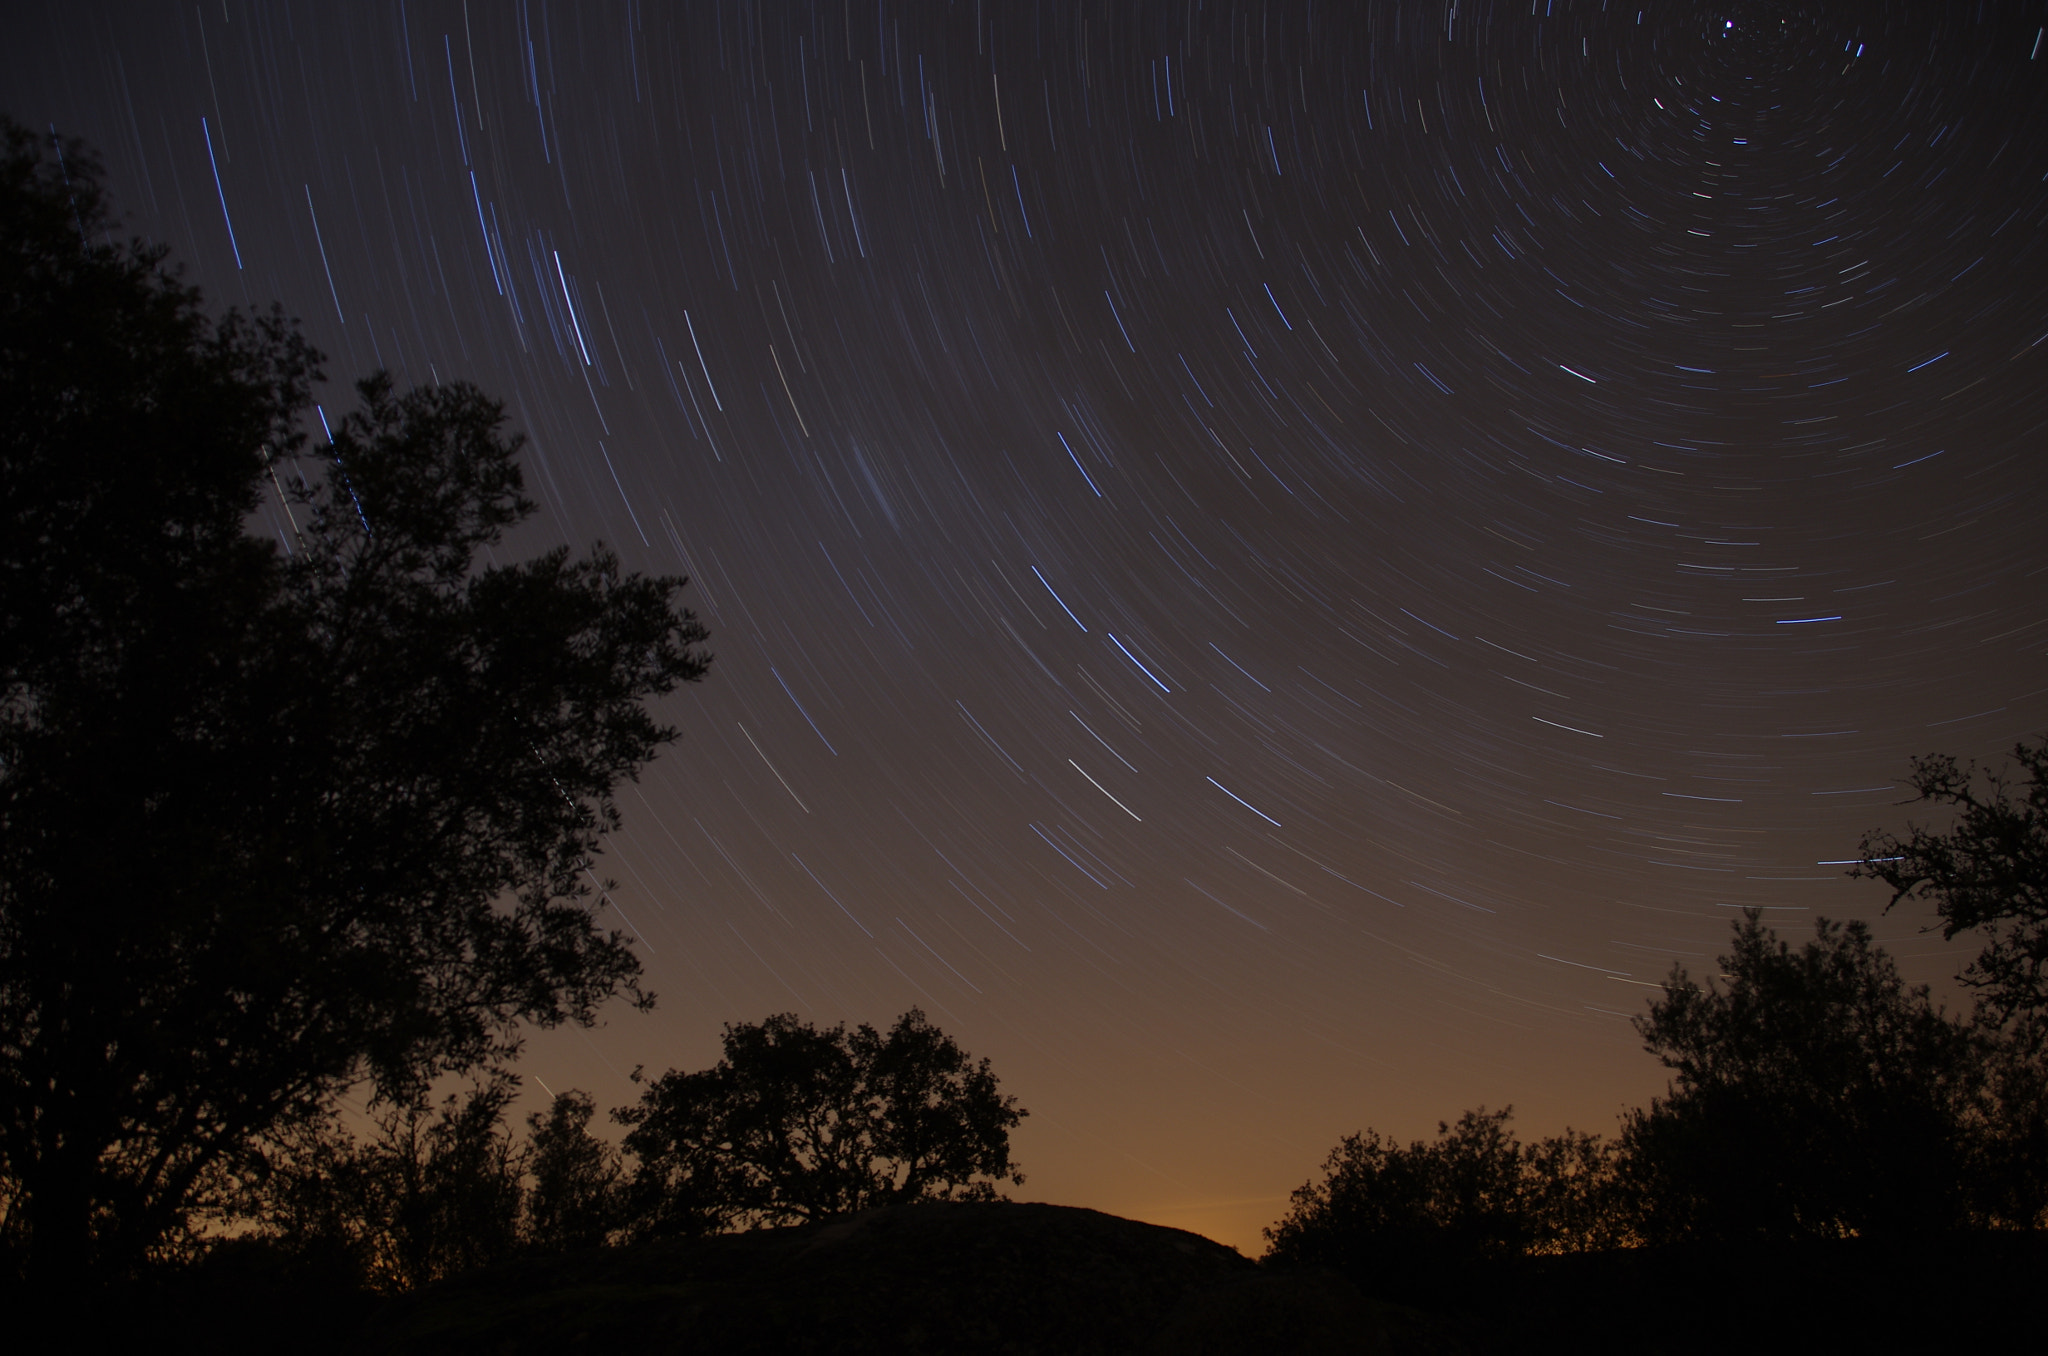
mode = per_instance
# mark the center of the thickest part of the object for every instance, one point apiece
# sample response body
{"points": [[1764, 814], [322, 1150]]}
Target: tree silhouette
{"points": [[797, 1124], [1988, 872], [275, 816], [576, 1195], [1816, 1095], [433, 1191], [1403, 1222]]}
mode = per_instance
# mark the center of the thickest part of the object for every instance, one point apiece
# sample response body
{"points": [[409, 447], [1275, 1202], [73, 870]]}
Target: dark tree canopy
{"points": [[576, 1196], [432, 1190], [1815, 1095], [1400, 1220], [1988, 872], [275, 816], [796, 1124]]}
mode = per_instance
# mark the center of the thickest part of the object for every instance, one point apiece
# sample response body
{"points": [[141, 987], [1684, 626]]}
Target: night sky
{"points": [[1270, 566]]}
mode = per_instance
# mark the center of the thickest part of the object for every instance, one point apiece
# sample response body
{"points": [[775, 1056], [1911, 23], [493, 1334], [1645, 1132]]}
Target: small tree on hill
{"points": [[797, 1124]]}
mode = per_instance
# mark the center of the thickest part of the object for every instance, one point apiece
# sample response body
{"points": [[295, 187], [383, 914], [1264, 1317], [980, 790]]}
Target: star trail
{"points": [[1271, 566]]}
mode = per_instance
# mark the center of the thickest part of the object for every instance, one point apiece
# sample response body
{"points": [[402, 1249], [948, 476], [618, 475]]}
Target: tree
{"points": [[1816, 1095], [577, 1179], [1988, 872], [275, 816], [1403, 1221], [433, 1191], [436, 1190], [798, 1124]]}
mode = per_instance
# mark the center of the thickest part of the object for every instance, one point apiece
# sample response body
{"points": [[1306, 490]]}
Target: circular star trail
{"points": [[1270, 566]]}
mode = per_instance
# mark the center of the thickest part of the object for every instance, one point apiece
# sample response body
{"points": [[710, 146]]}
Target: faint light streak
{"points": [[1119, 321], [787, 392], [1099, 787], [1100, 740], [1077, 461], [1239, 667], [622, 494], [1056, 597], [828, 893], [1219, 903], [570, 302], [1135, 660], [941, 959], [700, 360], [454, 99], [1000, 750], [476, 197], [800, 711], [1070, 859], [1018, 185], [854, 217], [778, 775], [1276, 306], [605, 896], [1242, 801], [322, 246], [1601, 969], [208, 134]]}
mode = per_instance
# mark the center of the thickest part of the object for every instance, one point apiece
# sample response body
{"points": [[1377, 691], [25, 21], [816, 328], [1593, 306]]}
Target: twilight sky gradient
{"points": [[1271, 566]]}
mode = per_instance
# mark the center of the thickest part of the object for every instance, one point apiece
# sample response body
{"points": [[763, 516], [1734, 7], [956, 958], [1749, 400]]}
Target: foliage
{"points": [[432, 1192], [577, 1179], [796, 1124], [272, 821], [1572, 1191], [1988, 872], [1816, 1095], [1396, 1218], [2008, 1165]]}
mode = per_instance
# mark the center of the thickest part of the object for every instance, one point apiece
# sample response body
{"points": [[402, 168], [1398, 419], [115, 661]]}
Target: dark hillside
{"points": [[907, 1279]]}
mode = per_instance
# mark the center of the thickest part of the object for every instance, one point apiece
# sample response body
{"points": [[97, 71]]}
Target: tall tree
{"points": [[796, 1124], [1987, 872], [275, 816], [1815, 1095]]}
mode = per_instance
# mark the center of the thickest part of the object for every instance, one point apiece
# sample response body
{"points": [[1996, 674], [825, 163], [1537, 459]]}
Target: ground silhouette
{"points": [[929, 1277]]}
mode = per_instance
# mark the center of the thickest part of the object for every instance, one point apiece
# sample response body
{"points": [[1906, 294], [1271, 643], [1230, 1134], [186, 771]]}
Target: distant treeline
{"points": [[794, 1125], [1814, 1095]]}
